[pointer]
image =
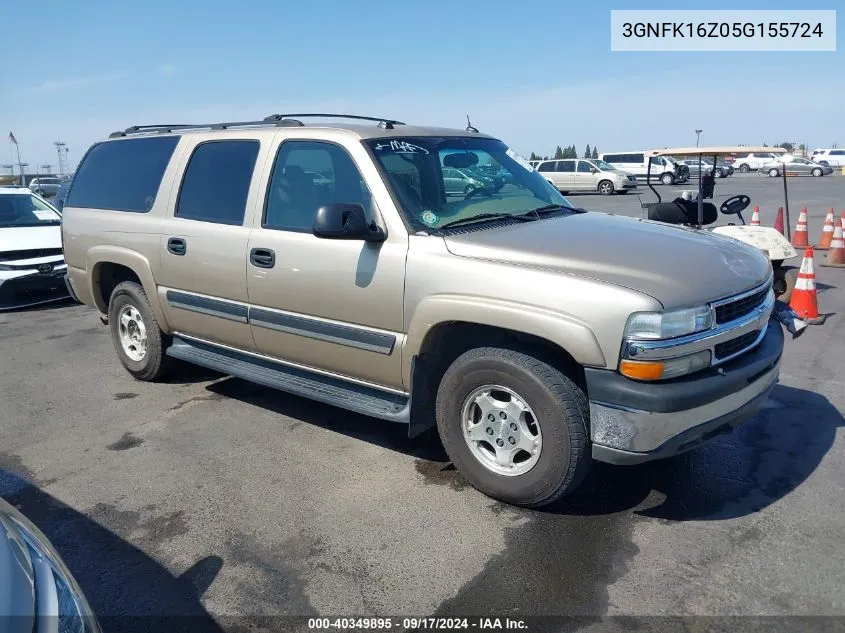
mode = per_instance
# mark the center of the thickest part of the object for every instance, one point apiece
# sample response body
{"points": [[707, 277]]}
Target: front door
{"points": [[328, 304], [585, 179]]}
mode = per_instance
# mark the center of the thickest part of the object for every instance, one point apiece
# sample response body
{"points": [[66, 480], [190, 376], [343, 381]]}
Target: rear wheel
{"points": [[605, 187], [514, 425], [719, 173], [135, 333], [667, 179], [744, 168], [773, 173], [817, 172]]}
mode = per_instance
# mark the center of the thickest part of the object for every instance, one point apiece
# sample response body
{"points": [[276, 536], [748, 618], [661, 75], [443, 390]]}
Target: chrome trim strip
{"points": [[349, 336], [669, 348], [273, 359], [742, 295], [205, 305]]}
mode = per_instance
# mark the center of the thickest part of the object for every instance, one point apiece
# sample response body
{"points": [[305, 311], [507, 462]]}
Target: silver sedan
{"points": [[795, 167]]}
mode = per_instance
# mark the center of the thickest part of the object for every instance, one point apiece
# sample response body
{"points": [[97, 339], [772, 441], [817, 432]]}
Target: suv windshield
{"points": [[25, 210], [438, 180]]}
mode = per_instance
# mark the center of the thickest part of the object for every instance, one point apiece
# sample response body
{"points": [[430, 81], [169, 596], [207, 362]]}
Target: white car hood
{"points": [[30, 237]]}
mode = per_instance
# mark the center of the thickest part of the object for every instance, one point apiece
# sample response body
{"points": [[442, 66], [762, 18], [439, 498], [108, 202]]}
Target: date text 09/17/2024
{"points": [[416, 624]]}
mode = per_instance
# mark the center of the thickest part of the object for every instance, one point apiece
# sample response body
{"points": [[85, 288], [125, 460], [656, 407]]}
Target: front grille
{"points": [[741, 307], [728, 348], [32, 253]]}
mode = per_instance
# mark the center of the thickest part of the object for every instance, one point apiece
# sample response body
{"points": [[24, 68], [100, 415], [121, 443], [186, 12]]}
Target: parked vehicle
{"points": [[61, 195], [536, 336], [44, 186], [32, 268], [38, 591], [461, 182], [795, 167], [721, 169], [752, 161], [833, 157], [664, 169], [582, 174]]}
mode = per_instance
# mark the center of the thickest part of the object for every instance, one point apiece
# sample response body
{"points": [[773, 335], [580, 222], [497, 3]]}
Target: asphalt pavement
{"points": [[210, 497]]}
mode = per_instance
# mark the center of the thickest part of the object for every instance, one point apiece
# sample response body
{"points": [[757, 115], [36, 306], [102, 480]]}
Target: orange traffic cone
{"points": [[827, 231], [755, 217], [804, 300], [779, 221], [800, 238], [835, 257]]}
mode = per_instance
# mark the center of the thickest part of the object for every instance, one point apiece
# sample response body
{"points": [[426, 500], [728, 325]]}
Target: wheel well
{"points": [[107, 276], [445, 342]]}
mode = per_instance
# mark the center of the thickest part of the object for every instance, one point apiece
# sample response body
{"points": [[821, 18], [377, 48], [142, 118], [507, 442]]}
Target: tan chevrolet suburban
{"points": [[329, 260]]}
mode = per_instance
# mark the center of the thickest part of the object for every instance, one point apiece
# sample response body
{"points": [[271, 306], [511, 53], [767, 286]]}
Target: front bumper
{"points": [[633, 422], [30, 290]]}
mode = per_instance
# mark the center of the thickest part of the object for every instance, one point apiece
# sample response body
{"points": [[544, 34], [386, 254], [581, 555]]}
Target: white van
{"points": [[665, 169], [586, 174], [833, 157]]}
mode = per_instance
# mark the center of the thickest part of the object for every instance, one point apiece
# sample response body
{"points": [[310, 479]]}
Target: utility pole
{"points": [[697, 136], [61, 150], [47, 169]]}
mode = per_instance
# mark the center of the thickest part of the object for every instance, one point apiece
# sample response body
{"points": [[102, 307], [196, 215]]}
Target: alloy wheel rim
{"points": [[132, 333]]}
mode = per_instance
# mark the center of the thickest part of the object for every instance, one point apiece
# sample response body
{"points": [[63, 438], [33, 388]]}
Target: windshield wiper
{"points": [[549, 208], [484, 216]]}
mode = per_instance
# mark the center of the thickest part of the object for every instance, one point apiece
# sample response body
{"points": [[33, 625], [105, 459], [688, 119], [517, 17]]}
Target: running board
{"points": [[336, 392]]}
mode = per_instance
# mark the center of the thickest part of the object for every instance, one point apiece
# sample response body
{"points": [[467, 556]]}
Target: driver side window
{"points": [[306, 176]]}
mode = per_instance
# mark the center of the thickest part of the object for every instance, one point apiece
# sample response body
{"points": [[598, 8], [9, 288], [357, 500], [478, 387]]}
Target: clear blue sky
{"points": [[536, 74]]}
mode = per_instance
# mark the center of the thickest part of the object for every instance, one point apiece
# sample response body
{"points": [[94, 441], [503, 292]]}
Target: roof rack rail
{"points": [[164, 129], [383, 123]]}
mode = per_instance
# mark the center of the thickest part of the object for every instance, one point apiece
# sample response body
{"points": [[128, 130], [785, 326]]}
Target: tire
{"points": [[773, 173], [468, 190], [784, 283], [744, 168], [817, 172], [561, 421], [153, 364], [719, 173], [605, 187], [667, 179]]}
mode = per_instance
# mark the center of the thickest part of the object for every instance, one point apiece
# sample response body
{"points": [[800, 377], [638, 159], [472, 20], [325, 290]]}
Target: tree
{"points": [[533, 156], [595, 152], [559, 152], [789, 147], [587, 152]]}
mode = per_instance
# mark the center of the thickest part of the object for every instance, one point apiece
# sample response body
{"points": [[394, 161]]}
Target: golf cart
{"points": [[692, 209]]}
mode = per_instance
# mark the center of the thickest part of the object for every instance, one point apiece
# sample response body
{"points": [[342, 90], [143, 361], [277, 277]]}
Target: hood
{"points": [[679, 267], [30, 237]]}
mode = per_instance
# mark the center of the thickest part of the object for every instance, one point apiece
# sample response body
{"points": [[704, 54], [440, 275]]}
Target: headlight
{"points": [[666, 368], [663, 325]]}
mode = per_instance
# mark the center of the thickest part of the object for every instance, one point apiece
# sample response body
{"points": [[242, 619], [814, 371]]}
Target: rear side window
{"points": [[612, 158], [122, 175], [837, 152], [216, 182], [567, 166]]}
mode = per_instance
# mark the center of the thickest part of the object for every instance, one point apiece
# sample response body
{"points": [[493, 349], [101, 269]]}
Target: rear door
{"points": [[202, 278]]}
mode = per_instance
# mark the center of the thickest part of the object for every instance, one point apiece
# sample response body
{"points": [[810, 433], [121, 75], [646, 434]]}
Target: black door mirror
{"points": [[346, 222]]}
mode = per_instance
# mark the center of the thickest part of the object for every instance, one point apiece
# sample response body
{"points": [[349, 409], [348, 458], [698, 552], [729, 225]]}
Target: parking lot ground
{"points": [[210, 497]]}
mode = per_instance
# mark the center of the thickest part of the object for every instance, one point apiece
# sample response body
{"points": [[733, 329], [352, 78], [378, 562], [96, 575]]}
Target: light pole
{"points": [[46, 169], [697, 136], [11, 169], [23, 173]]}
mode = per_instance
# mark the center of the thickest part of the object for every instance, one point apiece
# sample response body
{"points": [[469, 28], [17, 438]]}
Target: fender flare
{"points": [[137, 263], [567, 332]]}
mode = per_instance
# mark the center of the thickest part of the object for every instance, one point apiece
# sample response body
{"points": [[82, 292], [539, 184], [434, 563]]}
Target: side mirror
{"points": [[593, 170], [346, 222]]}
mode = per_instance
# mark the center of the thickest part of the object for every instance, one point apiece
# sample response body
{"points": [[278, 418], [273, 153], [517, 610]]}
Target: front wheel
{"points": [[719, 173], [744, 168], [667, 179], [135, 333], [605, 187], [784, 282], [773, 173], [817, 172], [515, 426]]}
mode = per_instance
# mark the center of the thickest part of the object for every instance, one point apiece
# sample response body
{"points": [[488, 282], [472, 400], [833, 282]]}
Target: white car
{"points": [[753, 161], [32, 267], [833, 157]]}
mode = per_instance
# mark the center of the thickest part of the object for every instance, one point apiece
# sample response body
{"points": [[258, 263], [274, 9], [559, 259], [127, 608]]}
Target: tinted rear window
{"points": [[217, 181], [122, 175]]}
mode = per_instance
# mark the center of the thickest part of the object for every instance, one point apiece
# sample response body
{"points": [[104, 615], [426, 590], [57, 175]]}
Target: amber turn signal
{"points": [[641, 370]]}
